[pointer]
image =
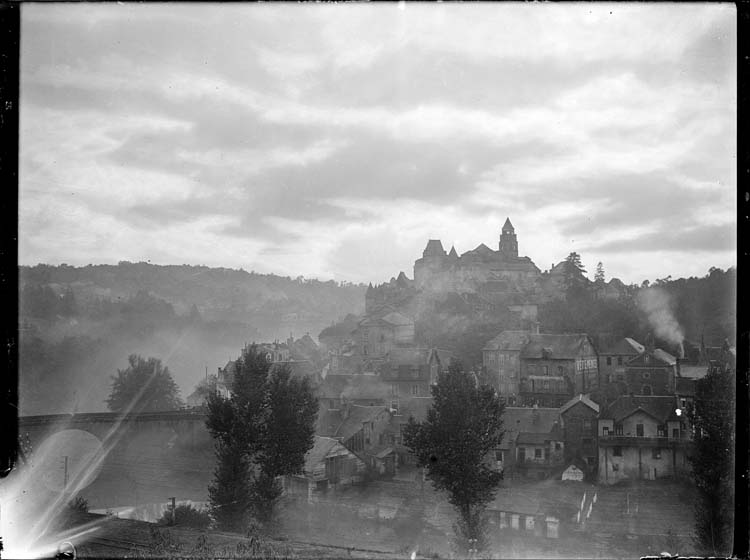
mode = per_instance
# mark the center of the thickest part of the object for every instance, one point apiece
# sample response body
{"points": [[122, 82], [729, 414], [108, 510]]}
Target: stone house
{"points": [[412, 371], [579, 419], [533, 444], [376, 335], [652, 372], [642, 437], [501, 358], [554, 367], [613, 355]]}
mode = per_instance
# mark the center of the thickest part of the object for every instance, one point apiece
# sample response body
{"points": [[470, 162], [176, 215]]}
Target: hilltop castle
{"points": [[491, 277], [503, 269]]}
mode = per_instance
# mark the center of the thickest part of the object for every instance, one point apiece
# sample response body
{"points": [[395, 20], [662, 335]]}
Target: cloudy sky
{"points": [[333, 141]]}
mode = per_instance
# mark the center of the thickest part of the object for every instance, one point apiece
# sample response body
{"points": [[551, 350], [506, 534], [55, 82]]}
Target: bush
{"points": [[186, 516]]}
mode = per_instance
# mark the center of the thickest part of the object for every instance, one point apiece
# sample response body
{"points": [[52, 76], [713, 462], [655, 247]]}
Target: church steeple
{"points": [[508, 241]]}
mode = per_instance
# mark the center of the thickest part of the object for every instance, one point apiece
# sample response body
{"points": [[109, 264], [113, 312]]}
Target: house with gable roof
{"points": [[614, 355], [501, 358], [642, 437], [533, 444], [579, 419], [652, 372]]}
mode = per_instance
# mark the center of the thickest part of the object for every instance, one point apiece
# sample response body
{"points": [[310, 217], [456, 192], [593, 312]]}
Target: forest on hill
{"points": [[673, 312], [78, 325]]}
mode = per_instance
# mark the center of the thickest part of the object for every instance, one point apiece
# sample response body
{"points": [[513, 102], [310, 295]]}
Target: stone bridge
{"points": [[150, 457]]}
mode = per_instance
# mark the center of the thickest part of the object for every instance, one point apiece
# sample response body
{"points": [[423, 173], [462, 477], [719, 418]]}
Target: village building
{"points": [[412, 371], [613, 355], [533, 444], [554, 367], [328, 464], [579, 418], [415, 407], [652, 372], [376, 335], [642, 437], [359, 389], [501, 359]]}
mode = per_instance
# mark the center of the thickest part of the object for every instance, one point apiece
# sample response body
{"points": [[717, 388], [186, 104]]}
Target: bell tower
{"points": [[508, 242]]}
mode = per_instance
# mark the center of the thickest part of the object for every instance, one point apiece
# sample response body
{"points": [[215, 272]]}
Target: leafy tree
{"points": [[462, 428], [599, 276], [144, 386], [263, 431], [712, 459]]}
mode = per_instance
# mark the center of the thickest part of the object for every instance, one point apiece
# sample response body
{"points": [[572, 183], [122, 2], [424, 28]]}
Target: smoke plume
{"points": [[656, 304]]}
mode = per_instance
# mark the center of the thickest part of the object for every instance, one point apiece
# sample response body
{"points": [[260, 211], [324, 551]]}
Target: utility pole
{"points": [[65, 479]]}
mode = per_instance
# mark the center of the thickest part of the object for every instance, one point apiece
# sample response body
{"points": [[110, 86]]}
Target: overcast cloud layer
{"points": [[333, 140]]}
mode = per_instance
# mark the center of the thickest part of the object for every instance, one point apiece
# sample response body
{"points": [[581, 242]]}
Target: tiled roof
{"points": [[508, 340], [622, 347], [656, 358], [357, 416], [537, 439], [415, 406], [693, 371], [560, 346], [661, 408], [320, 450], [580, 399], [530, 420], [328, 422]]}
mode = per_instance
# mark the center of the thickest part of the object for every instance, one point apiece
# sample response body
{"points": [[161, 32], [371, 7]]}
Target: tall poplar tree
{"points": [[712, 459], [262, 431], [454, 443]]}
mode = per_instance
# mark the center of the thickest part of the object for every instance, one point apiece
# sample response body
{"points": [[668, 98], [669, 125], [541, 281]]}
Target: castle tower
{"points": [[432, 262], [508, 242]]}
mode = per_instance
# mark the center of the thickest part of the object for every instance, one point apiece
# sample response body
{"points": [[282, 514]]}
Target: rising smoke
{"points": [[656, 303]]}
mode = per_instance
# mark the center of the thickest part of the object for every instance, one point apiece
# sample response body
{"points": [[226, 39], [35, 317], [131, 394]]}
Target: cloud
{"points": [[303, 136]]}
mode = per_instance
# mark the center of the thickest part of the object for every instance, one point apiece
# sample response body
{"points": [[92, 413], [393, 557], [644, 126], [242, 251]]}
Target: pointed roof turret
{"points": [[453, 253], [508, 227], [434, 249]]}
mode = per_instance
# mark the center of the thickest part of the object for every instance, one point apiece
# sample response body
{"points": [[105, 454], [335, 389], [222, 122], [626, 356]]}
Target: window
{"points": [[498, 455], [639, 430], [676, 433], [557, 446], [615, 467], [609, 360], [605, 431], [661, 430], [545, 370], [619, 360], [537, 453], [521, 454], [617, 451], [618, 429], [415, 390], [560, 370], [683, 403], [656, 453]]}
